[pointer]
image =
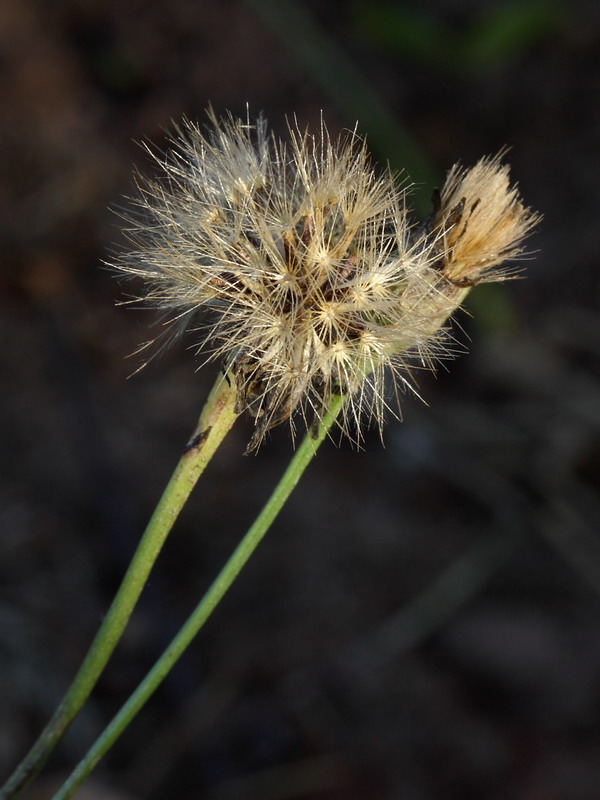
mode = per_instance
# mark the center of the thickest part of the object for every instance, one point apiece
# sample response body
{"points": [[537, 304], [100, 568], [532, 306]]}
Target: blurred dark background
{"points": [[423, 620]]}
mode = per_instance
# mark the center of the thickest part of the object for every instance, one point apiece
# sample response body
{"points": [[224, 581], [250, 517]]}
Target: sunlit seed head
{"points": [[296, 266]]}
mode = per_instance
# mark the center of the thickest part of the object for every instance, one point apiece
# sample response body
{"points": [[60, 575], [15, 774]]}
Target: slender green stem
{"points": [[204, 609], [215, 421]]}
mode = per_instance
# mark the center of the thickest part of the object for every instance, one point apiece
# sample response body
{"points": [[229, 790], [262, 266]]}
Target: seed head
{"points": [[481, 222], [296, 266]]}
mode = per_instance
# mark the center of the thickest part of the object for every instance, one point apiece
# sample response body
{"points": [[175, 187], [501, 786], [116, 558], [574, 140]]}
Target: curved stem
{"points": [[204, 609], [215, 421]]}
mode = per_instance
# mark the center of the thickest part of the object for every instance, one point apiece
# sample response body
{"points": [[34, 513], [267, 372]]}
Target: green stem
{"points": [[215, 421], [204, 609]]}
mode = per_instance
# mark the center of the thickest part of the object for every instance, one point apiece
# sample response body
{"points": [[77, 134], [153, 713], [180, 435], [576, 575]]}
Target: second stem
{"points": [[204, 609]]}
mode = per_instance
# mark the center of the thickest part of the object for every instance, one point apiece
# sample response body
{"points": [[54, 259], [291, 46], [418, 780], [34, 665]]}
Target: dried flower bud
{"points": [[299, 268], [481, 223]]}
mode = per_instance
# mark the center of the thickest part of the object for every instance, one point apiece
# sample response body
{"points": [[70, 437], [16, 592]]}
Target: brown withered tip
{"points": [[481, 223]]}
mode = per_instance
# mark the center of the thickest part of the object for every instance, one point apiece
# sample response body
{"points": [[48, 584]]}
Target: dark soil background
{"points": [[423, 620]]}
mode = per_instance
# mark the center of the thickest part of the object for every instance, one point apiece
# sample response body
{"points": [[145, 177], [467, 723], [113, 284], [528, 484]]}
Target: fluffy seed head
{"points": [[297, 267]]}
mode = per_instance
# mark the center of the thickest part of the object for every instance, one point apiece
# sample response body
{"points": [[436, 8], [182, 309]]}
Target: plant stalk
{"points": [[216, 419], [204, 609]]}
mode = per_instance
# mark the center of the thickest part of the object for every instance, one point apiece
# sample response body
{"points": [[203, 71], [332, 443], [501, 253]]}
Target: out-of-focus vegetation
{"points": [[486, 40]]}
